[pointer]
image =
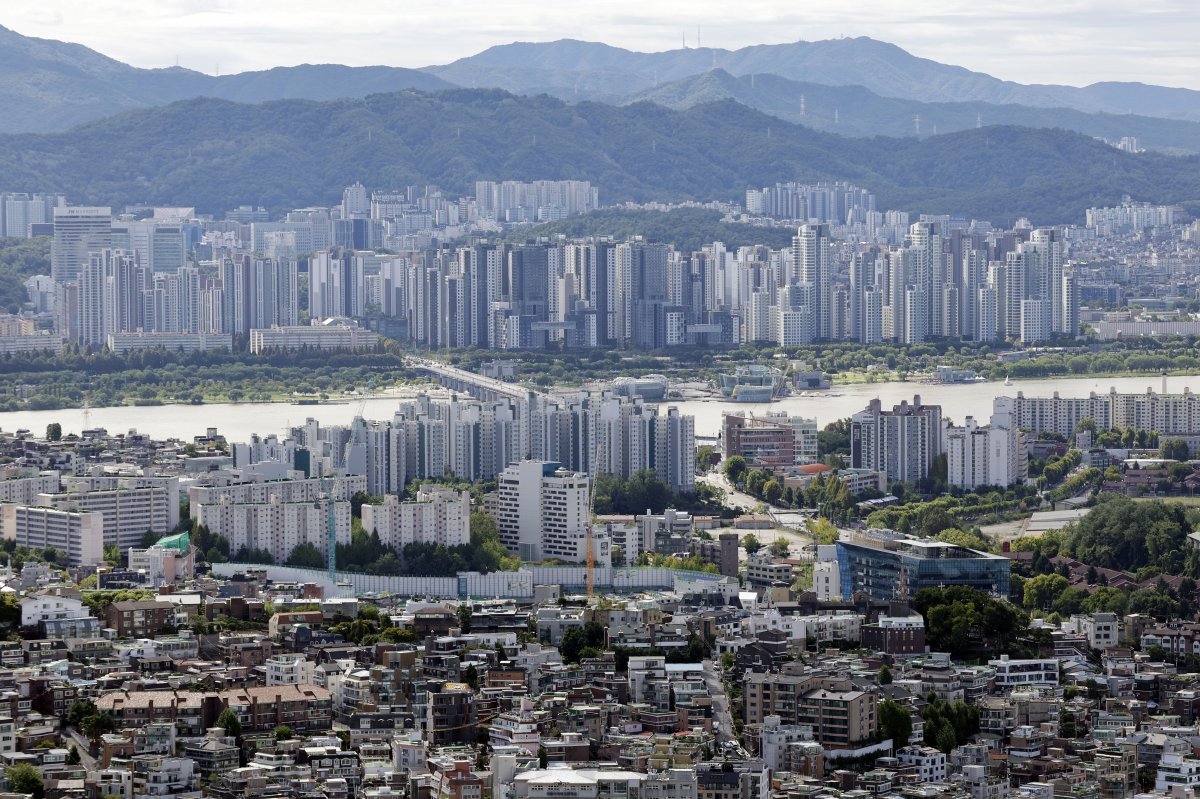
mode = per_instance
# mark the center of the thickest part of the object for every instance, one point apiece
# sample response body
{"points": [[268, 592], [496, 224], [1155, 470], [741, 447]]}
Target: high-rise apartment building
{"points": [[901, 443], [542, 511], [985, 455], [438, 516]]}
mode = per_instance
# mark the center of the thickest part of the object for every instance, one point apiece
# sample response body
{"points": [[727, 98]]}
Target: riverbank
{"points": [[238, 421], [694, 393]]}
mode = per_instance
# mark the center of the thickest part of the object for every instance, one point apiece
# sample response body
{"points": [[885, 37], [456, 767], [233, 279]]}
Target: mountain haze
{"points": [[216, 154], [857, 111], [587, 70], [47, 85], [876, 88]]}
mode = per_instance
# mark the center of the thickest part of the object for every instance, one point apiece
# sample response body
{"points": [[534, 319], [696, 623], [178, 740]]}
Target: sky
{"points": [[1073, 42]]}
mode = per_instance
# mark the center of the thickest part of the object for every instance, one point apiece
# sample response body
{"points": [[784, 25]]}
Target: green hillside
{"points": [[217, 154]]}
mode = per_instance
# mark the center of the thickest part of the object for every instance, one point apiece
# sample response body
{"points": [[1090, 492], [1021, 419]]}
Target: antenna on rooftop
{"points": [[917, 123], [837, 115], [802, 111], [978, 120]]}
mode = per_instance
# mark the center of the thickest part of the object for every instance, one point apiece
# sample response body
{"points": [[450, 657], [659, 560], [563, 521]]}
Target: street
{"points": [[744, 502], [722, 717], [86, 761]]}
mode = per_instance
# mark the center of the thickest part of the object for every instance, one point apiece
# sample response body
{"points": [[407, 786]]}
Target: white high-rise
{"points": [[543, 511], [78, 231], [814, 264], [991, 455]]}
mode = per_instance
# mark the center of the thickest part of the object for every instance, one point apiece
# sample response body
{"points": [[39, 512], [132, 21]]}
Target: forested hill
{"points": [[216, 154]]}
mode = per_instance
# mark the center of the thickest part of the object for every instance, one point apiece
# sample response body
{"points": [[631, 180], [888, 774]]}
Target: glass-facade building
{"points": [[889, 566]]}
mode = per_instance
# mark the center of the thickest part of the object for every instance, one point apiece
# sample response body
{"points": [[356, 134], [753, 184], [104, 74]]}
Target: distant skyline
{"points": [[1073, 42]]}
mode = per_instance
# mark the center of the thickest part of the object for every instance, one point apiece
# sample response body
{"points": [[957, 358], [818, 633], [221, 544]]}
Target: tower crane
{"points": [[597, 455], [330, 528]]}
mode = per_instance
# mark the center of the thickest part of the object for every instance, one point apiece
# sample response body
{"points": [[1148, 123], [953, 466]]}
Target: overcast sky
{"points": [[1031, 41]]}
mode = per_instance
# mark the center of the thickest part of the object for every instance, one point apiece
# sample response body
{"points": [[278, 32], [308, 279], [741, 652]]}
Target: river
{"points": [[237, 421]]}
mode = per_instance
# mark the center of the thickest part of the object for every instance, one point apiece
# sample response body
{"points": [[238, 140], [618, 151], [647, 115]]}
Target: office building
{"points": [[78, 232], [888, 565], [773, 440]]}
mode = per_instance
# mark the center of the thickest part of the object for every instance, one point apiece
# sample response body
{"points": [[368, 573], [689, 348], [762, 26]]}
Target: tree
{"points": [[779, 548], [885, 675], [112, 555], [823, 531], [895, 722], [54, 431], [97, 725], [282, 733], [572, 645], [751, 544], [73, 756], [1174, 449], [79, 710], [595, 632], [24, 778], [229, 722], [543, 757], [306, 556], [772, 491], [464, 618], [706, 458], [735, 469], [1043, 590], [945, 740], [471, 676], [968, 623]]}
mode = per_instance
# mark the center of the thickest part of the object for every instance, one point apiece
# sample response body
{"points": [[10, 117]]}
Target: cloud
{"points": [[1068, 41]]}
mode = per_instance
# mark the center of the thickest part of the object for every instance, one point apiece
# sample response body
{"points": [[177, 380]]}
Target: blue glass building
{"points": [[888, 565]]}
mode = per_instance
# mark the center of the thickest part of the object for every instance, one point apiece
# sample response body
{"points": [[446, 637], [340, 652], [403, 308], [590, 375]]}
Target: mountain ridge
{"points": [[857, 111], [48, 85], [882, 67], [215, 154]]}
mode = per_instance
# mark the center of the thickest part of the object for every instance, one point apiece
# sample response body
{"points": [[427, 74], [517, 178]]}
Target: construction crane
{"points": [[330, 528], [589, 543], [362, 402]]}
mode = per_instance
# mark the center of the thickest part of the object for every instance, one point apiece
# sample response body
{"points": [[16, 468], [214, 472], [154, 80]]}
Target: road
{"points": [[733, 498], [86, 761], [746, 503], [722, 717]]}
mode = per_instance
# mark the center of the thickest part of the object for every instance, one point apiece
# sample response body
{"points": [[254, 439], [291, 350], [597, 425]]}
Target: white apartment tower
{"points": [[543, 511], [814, 263]]}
